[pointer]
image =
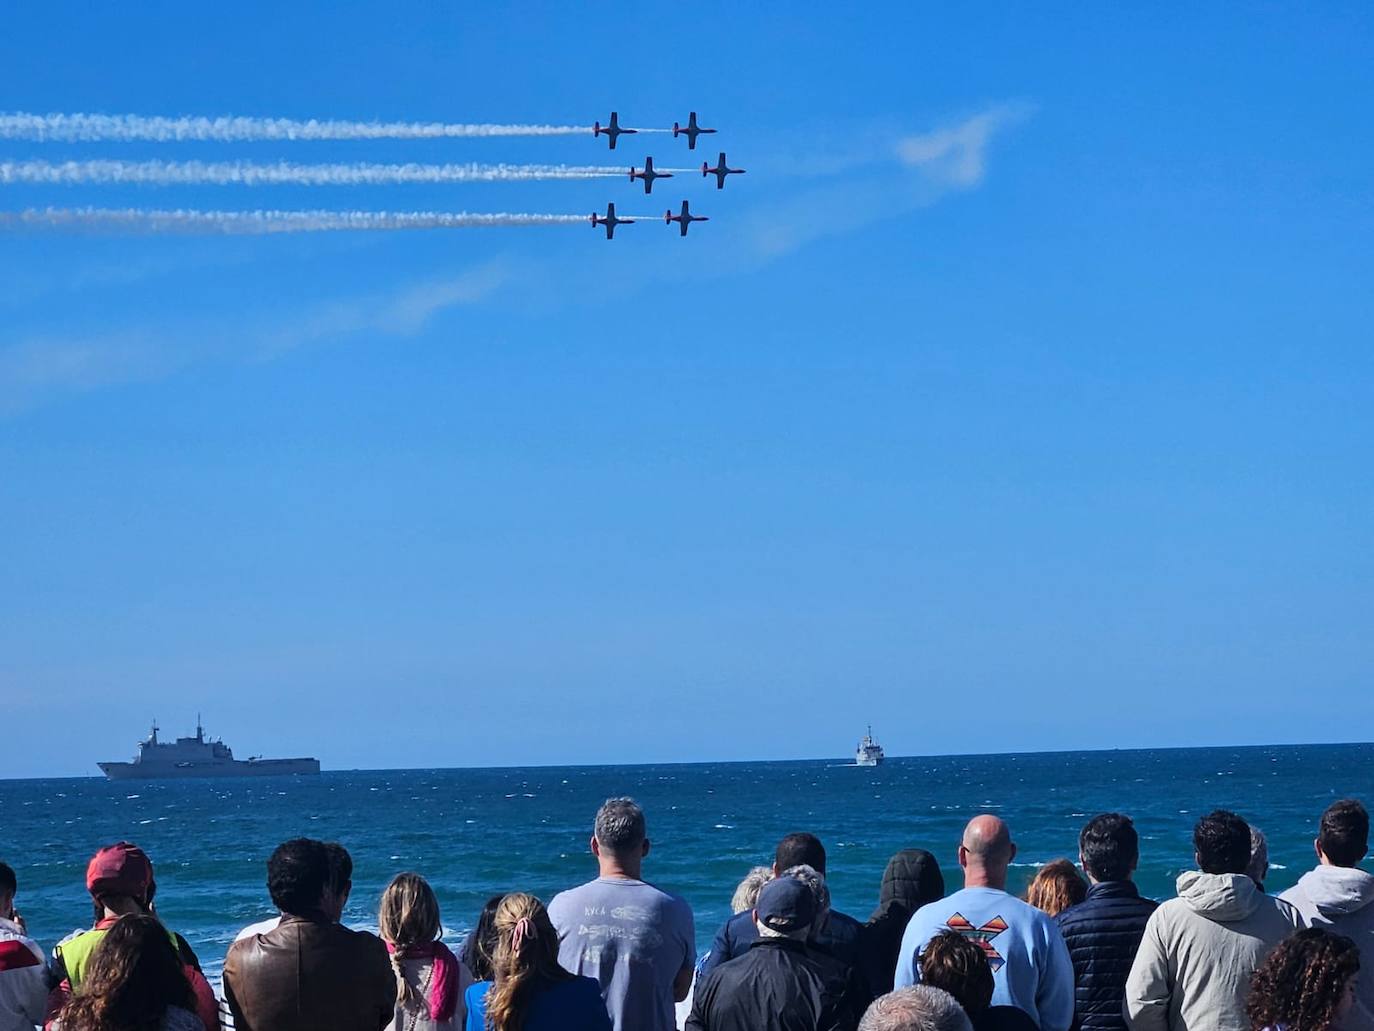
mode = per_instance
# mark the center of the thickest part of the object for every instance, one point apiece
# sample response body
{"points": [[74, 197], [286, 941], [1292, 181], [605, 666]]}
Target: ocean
{"points": [[474, 832]]}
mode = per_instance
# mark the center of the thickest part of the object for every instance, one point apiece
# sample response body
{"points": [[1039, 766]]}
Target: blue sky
{"points": [[1018, 398]]}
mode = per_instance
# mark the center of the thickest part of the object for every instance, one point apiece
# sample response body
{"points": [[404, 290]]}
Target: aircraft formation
{"points": [[100, 129], [649, 175]]}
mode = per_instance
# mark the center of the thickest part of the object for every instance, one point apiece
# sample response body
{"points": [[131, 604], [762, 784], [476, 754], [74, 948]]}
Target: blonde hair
{"points": [[1056, 887], [747, 894], [408, 916], [526, 958]]}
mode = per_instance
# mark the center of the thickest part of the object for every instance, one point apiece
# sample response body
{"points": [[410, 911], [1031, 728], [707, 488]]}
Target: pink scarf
{"points": [[443, 985]]}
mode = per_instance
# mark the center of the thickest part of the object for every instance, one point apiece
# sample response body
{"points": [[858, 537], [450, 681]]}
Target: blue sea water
{"points": [[477, 832]]}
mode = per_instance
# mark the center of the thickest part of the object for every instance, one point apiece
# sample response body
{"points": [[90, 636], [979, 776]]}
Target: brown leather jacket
{"points": [[310, 975]]}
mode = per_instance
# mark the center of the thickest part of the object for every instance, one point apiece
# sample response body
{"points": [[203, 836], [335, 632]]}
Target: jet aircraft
{"points": [[610, 221], [683, 220], [691, 130], [649, 175], [720, 171], [613, 131]]}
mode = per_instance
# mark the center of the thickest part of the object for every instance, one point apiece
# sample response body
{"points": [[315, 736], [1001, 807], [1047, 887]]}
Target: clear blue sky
{"points": [[1053, 427]]}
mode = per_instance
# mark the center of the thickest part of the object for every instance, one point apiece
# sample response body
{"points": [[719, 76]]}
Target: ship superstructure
{"points": [[199, 756], [869, 752]]}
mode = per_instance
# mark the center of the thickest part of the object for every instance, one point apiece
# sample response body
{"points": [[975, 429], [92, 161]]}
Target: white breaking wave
{"points": [[240, 173], [253, 223], [232, 129]]}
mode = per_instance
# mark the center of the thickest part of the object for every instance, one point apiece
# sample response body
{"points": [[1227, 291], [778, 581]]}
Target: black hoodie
{"points": [[911, 880]]}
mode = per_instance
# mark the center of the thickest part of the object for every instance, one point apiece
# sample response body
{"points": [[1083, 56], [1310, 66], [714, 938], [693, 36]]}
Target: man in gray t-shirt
{"points": [[637, 941]]}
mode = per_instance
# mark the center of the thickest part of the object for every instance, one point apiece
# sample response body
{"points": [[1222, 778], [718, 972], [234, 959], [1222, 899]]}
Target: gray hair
{"points": [[747, 894], [1258, 869], [800, 934], [918, 1008], [619, 825], [815, 881]]}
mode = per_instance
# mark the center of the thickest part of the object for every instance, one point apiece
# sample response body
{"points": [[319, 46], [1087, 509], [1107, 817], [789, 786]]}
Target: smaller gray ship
{"points": [[199, 757], [869, 752]]}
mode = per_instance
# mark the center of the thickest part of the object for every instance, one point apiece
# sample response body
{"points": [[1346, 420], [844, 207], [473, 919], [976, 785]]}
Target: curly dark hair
{"points": [[1222, 840], [1301, 983], [1110, 847], [957, 965], [134, 975]]}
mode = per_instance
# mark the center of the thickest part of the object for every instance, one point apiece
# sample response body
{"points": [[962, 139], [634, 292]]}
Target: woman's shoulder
{"points": [[572, 991], [476, 992]]}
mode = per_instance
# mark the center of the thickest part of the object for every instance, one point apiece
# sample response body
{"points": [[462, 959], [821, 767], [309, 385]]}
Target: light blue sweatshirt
{"points": [[1030, 963]]}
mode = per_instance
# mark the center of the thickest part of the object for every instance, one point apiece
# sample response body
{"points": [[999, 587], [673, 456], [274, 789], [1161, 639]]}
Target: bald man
{"points": [[1030, 964]]}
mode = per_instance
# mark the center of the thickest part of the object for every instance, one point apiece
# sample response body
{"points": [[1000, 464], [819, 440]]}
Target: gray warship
{"points": [[199, 757]]}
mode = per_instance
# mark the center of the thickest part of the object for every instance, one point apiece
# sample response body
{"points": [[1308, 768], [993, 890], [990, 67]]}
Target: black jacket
{"points": [[911, 880], [1103, 933], [778, 985], [840, 939]]}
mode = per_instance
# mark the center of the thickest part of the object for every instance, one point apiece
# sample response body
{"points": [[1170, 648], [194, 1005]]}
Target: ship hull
{"points": [[230, 768], [867, 760]]}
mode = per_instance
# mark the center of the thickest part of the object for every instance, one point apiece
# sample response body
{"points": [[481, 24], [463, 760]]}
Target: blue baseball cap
{"points": [[786, 905]]}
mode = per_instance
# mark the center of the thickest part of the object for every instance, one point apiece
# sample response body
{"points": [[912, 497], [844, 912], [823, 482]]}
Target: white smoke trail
{"points": [[238, 173], [229, 129], [252, 223]]}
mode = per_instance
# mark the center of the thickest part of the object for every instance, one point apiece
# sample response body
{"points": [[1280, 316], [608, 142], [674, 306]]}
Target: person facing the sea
{"points": [[637, 941], [479, 951], [340, 887], [135, 981], [309, 973], [23, 974], [1103, 932], [915, 1008], [838, 934], [1198, 951], [120, 881], [1030, 964], [959, 966], [779, 984], [530, 990], [430, 981], [912, 879], [746, 894], [1308, 983], [1258, 869], [1337, 895], [1055, 887]]}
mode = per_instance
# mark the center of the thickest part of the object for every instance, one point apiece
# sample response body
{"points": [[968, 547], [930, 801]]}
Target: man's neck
{"points": [[978, 877], [616, 868]]}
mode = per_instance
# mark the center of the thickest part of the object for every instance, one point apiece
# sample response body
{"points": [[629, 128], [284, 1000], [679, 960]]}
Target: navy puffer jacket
{"points": [[1103, 933]]}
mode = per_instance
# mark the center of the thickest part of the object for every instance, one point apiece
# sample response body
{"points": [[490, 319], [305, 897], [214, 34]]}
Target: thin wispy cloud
{"points": [[42, 367], [957, 154], [913, 172]]}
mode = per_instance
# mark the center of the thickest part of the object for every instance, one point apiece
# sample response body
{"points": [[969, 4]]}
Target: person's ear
{"points": [[645, 851], [1317, 848], [1197, 860], [596, 847], [776, 872], [963, 855], [1013, 853]]}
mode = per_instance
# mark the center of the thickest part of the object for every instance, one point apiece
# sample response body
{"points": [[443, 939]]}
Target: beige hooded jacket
{"points": [[1193, 969]]}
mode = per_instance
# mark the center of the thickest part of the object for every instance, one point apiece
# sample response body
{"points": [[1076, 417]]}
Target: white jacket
{"points": [[1341, 899], [1192, 972], [23, 980]]}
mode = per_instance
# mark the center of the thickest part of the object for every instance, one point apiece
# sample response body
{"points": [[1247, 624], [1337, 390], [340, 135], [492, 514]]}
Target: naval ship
{"points": [[199, 757], [869, 752]]}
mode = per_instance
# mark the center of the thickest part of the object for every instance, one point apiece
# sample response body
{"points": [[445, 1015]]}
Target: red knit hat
{"points": [[120, 869]]}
